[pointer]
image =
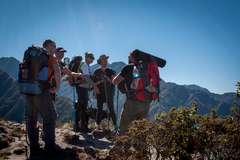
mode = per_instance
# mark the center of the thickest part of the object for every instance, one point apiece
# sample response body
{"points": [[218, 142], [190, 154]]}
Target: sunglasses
{"points": [[92, 57]]}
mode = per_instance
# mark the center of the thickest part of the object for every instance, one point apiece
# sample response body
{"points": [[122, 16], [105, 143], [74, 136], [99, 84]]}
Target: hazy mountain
{"points": [[12, 103], [10, 65], [193, 86], [180, 95]]}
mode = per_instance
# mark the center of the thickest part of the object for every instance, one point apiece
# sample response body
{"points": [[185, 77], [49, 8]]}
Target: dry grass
{"points": [[4, 153], [19, 151]]}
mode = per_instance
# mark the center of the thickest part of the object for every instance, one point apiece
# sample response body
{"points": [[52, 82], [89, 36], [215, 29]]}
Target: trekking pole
{"points": [[117, 111], [238, 110], [26, 136], [106, 99], [75, 126]]}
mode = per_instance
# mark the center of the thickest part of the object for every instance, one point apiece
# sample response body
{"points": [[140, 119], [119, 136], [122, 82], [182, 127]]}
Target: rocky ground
{"points": [[77, 145]]}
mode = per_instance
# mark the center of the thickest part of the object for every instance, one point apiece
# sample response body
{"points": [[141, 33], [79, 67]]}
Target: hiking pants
{"points": [[44, 105], [82, 106], [133, 109], [101, 98]]}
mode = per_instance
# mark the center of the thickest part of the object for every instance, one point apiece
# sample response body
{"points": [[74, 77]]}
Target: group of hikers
{"points": [[136, 107]]}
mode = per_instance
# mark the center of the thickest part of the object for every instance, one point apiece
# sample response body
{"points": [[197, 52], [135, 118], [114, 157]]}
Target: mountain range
{"points": [[12, 102]]}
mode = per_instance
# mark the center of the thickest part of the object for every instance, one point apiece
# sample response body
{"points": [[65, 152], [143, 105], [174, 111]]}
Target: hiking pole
{"points": [[75, 126], [26, 136], [106, 99], [117, 111]]}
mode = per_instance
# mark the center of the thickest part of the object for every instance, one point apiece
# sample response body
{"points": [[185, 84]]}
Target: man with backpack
{"points": [[104, 83], [134, 108], [44, 105], [64, 69], [82, 91]]}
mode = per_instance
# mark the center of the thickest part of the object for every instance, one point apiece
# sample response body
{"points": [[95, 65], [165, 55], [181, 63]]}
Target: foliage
{"points": [[182, 134], [15, 133]]}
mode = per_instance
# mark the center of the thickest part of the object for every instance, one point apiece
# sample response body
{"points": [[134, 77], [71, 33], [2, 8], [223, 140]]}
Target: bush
{"points": [[182, 134]]}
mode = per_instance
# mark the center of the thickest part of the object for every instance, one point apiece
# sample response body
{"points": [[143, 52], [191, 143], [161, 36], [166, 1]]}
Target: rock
{"points": [[3, 130], [98, 134]]}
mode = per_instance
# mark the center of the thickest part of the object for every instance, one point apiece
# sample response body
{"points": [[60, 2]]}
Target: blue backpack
{"points": [[33, 71]]}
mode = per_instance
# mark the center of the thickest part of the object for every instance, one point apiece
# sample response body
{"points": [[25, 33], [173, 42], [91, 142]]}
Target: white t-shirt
{"points": [[85, 69]]}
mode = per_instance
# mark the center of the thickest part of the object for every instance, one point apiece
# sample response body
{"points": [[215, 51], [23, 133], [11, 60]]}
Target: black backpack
{"points": [[75, 66], [33, 71]]}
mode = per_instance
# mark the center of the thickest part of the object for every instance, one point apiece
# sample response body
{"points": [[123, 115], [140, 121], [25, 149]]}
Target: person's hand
{"points": [[98, 82], [104, 77], [96, 89], [53, 90], [80, 75], [64, 69]]}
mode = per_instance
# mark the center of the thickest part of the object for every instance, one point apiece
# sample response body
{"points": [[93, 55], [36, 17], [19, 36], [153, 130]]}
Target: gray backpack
{"points": [[33, 71]]}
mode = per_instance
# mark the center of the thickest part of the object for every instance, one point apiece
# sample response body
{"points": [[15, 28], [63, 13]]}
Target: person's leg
{"points": [[143, 109], [133, 110], [31, 112], [84, 95], [111, 109], [49, 114], [100, 108], [129, 114], [78, 107]]}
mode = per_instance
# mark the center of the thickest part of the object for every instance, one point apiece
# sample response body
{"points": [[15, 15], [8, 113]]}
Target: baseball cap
{"points": [[88, 54], [61, 49]]}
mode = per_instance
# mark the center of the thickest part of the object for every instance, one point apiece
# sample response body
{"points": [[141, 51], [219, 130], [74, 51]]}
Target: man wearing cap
{"points": [[82, 91], [64, 69], [59, 53], [105, 75]]}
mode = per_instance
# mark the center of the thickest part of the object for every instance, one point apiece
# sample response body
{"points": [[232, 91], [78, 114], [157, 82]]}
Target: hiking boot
{"points": [[54, 151], [35, 151]]}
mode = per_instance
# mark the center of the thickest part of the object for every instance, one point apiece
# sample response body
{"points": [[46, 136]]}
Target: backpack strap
{"points": [[79, 67], [132, 92], [151, 93], [158, 86]]}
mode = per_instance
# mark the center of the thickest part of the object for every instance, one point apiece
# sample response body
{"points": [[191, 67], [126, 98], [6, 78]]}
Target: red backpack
{"points": [[148, 88]]}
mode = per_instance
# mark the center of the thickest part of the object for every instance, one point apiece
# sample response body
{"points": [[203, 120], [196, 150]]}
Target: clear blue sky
{"points": [[200, 39]]}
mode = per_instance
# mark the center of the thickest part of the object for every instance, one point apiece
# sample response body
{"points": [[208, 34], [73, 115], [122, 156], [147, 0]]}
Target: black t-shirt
{"points": [[126, 73], [99, 73]]}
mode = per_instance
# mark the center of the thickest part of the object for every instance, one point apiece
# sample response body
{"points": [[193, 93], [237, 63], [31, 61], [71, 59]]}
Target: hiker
{"points": [[133, 109], [82, 91], [59, 54], [44, 105], [64, 69], [105, 74]]}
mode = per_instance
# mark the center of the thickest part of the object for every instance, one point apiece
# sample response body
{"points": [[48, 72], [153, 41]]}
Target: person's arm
{"points": [[117, 79], [112, 76], [85, 71], [88, 79], [57, 76], [66, 71]]}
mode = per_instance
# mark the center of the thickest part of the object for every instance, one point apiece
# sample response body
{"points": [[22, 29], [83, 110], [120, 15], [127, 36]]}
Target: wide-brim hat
{"points": [[101, 57]]}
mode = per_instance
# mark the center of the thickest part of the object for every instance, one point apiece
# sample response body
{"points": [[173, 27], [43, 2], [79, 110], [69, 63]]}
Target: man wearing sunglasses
{"points": [[82, 91]]}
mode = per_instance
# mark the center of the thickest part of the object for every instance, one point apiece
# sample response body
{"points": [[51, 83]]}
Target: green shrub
{"points": [[182, 134]]}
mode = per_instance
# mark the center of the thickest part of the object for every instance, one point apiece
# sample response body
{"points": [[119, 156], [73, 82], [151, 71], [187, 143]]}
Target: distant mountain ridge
{"points": [[10, 65], [12, 103]]}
